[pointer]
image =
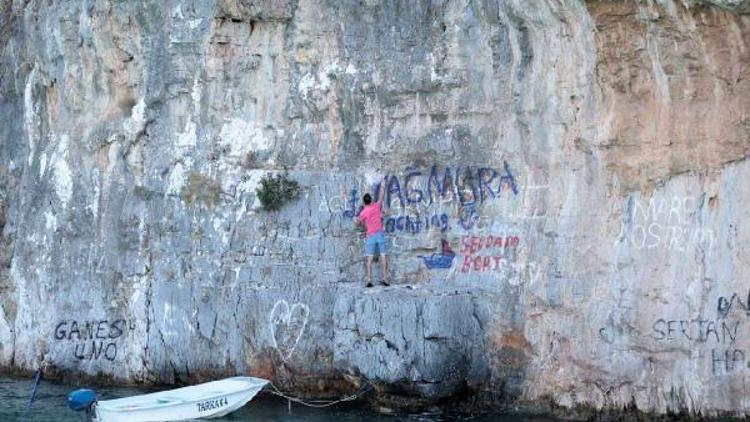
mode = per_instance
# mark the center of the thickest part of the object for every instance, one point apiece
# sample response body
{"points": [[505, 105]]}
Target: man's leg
{"points": [[369, 270], [383, 249], [369, 246], [384, 269]]}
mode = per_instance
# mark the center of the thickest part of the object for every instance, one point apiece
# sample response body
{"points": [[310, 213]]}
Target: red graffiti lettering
{"points": [[466, 266], [464, 245], [476, 244], [471, 246]]}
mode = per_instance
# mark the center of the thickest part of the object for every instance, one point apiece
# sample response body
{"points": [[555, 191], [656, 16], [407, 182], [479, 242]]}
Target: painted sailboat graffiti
{"points": [[441, 260]]}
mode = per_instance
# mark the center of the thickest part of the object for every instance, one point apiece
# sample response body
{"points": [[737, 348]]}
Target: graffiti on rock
{"points": [[728, 361], [351, 205], [695, 330], [287, 326], [518, 273], [417, 224], [465, 185], [418, 191], [93, 340], [494, 248], [734, 302], [665, 223], [468, 217], [718, 336], [441, 260]]}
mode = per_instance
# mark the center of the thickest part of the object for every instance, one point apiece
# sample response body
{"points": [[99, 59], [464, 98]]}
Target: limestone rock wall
{"points": [[565, 196]]}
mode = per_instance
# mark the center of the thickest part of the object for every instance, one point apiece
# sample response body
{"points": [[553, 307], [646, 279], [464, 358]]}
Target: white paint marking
{"points": [[287, 325], [63, 177]]}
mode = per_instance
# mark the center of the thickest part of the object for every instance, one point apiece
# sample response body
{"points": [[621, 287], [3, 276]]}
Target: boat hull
{"points": [[203, 401]]}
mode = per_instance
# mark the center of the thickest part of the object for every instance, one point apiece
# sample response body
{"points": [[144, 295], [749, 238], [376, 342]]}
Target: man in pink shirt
{"points": [[372, 218]]}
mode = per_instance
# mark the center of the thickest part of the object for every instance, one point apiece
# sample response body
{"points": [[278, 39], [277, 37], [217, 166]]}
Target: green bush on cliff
{"points": [[275, 191]]}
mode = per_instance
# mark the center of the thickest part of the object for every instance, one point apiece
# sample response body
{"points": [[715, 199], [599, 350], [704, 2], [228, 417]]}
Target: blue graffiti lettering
{"points": [[469, 186], [351, 204], [468, 218], [507, 179], [390, 225], [416, 224], [464, 197], [484, 184], [413, 196], [442, 189]]}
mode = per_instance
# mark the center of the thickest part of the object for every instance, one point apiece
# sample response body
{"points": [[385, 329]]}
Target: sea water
{"points": [[50, 405]]}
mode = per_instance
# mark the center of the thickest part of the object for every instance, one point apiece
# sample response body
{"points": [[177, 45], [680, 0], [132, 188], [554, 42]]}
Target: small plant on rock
{"points": [[276, 191], [202, 190]]}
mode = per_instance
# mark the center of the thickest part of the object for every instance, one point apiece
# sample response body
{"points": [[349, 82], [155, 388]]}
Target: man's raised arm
{"points": [[381, 194]]}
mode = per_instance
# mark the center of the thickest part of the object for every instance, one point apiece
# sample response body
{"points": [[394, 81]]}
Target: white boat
{"points": [[209, 400]]}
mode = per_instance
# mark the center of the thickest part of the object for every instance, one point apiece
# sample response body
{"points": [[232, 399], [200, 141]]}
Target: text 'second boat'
{"points": [[209, 400]]}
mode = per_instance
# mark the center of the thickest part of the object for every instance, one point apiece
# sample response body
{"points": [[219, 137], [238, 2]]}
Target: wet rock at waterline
{"points": [[564, 186]]}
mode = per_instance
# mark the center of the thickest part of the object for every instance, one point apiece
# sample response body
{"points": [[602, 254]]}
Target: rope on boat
{"points": [[320, 403]]}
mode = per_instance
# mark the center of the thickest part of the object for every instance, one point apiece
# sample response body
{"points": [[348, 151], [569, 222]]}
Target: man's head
{"points": [[367, 199]]}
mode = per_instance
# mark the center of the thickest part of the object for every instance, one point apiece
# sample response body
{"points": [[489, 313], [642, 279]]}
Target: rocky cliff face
{"points": [[566, 203]]}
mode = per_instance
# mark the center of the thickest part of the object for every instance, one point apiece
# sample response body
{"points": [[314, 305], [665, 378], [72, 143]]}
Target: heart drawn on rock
{"points": [[287, 325]]}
